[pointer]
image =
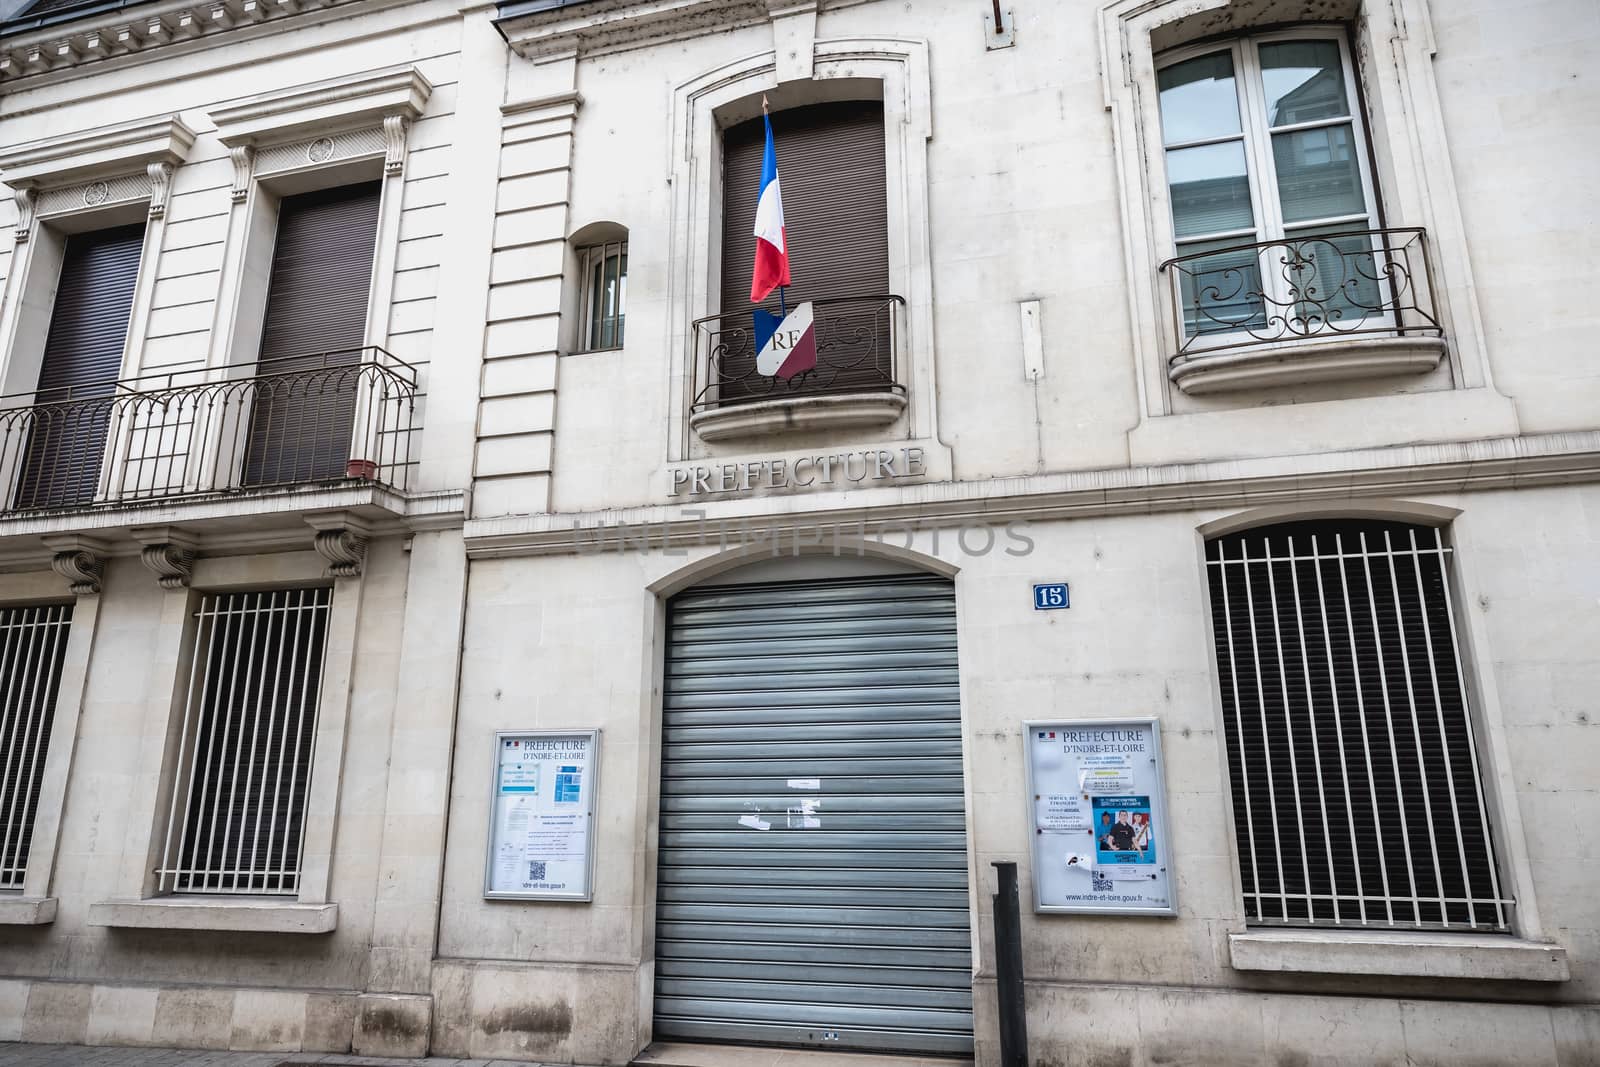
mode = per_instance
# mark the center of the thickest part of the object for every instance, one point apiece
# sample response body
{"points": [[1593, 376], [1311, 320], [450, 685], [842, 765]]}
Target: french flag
{"points": [[772, 247]]}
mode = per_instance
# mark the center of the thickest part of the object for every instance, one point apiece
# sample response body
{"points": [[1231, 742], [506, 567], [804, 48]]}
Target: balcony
{"points": [[1320, 307], [854, 384], [334, 419]]}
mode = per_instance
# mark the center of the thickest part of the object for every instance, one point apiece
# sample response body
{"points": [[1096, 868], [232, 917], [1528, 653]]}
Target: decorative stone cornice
{"points": [[102, 152], [80, 560], [362, 100], [168, 553], [537, 30], [341, 539], [72, 42]]}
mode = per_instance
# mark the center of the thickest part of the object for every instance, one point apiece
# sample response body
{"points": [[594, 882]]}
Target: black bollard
{"points": [[1008, 968]]}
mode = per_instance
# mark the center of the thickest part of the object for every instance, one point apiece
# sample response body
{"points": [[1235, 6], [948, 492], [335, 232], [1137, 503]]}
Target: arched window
{"points": [[1356, 779]]}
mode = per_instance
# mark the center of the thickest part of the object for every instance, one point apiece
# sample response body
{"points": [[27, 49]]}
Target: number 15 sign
{"points": [[1048, 596]]}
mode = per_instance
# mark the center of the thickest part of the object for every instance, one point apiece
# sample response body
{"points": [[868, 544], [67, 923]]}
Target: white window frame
{"points": [[1256, 133], [589, 317], [1406, 129]]}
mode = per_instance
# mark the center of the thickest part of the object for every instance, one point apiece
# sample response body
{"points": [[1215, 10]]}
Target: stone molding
{"points": [[341, 539], [97, 153], [105, 35], [1299, 362], [1339, 478], [168, 553], [1449, 954], [80, 560], [229, 916], [543, 32], [336, 105], [839, 411], [108, 164]]}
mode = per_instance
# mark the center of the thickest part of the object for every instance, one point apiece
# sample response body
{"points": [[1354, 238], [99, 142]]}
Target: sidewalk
{"points": [[13, 1054]]}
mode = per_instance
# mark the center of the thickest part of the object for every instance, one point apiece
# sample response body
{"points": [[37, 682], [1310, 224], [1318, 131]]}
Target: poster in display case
{"points": [[541, 820], [1098, 812]]}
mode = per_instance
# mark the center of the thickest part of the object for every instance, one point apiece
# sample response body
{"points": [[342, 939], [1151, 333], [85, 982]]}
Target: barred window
{"points": [[1356, 782], [243, 765], [33, 643]]}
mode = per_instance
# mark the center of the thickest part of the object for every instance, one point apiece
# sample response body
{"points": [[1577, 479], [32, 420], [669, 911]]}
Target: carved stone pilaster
{"points": [[394, 144], [341, 539], [244, 165], [25, 198], [160, 186], [168, 553], [80, 560]]}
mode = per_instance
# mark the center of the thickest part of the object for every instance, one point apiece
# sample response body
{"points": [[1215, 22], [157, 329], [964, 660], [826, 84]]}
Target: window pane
{"points": [[1334, 281], [1221, 292], [1318, 176], [1304, 81], [608, 287], [1210, 189], [1198, 99]]}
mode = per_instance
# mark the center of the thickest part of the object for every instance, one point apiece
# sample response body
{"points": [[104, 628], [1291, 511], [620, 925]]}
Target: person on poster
{"points": [[1122, 833], [1126, 832]]}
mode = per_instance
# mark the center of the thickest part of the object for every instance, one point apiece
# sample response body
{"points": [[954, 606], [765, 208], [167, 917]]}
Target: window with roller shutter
{"points": [[79, 371], [312, 336], [831, 168], [1355, 774]]}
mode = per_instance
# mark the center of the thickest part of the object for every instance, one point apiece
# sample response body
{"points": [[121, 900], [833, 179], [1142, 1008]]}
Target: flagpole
{"points": [[783, 303]]}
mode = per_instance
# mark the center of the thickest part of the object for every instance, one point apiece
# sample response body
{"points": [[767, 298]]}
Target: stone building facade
{"points": [[379, 378]]}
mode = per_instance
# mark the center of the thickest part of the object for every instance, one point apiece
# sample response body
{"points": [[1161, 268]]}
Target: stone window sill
{"points": [[1411, 953], [248, 915], [797, 414], [27, 911], [1301, 362]]}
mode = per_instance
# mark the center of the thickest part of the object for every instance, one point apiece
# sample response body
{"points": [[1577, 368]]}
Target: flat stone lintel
{"points": [[1410, 953], [210, 913], [27, 911]]}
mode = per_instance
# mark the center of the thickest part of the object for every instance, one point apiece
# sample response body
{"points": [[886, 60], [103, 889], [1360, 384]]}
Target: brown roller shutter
{"points": [[78, 374], [314, 326], [835, 205]]}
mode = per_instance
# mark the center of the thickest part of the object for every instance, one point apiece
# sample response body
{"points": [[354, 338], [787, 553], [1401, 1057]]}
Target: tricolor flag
{"points": [[772, 248]]}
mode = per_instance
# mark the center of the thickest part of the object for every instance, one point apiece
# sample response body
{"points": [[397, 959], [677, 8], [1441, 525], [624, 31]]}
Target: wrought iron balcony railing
{"points": [[1324, 285], [857, 341], [324, 418]]}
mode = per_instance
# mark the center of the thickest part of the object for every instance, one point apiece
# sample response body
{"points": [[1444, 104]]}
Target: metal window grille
{"points": [[33, 643], [1355, 777], [244, 763]]}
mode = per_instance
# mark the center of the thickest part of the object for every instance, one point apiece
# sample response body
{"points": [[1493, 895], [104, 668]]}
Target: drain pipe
{"points": [[1008, 968]]}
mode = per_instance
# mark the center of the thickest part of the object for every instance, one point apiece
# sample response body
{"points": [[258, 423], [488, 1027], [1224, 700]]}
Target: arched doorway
{"points": [[812, 878]]}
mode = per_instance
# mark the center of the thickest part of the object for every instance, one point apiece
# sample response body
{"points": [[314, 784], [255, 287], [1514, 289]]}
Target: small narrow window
{"points": [[243, 770], [1356, 778], [33, 644], [604, 272]]}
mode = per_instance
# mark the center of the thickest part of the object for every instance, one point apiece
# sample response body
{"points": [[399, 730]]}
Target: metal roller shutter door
{"points": [[855, 926]]}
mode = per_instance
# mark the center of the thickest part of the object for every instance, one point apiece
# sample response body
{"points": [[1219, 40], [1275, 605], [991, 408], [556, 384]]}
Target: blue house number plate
{"points": [[1048, 596]]}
